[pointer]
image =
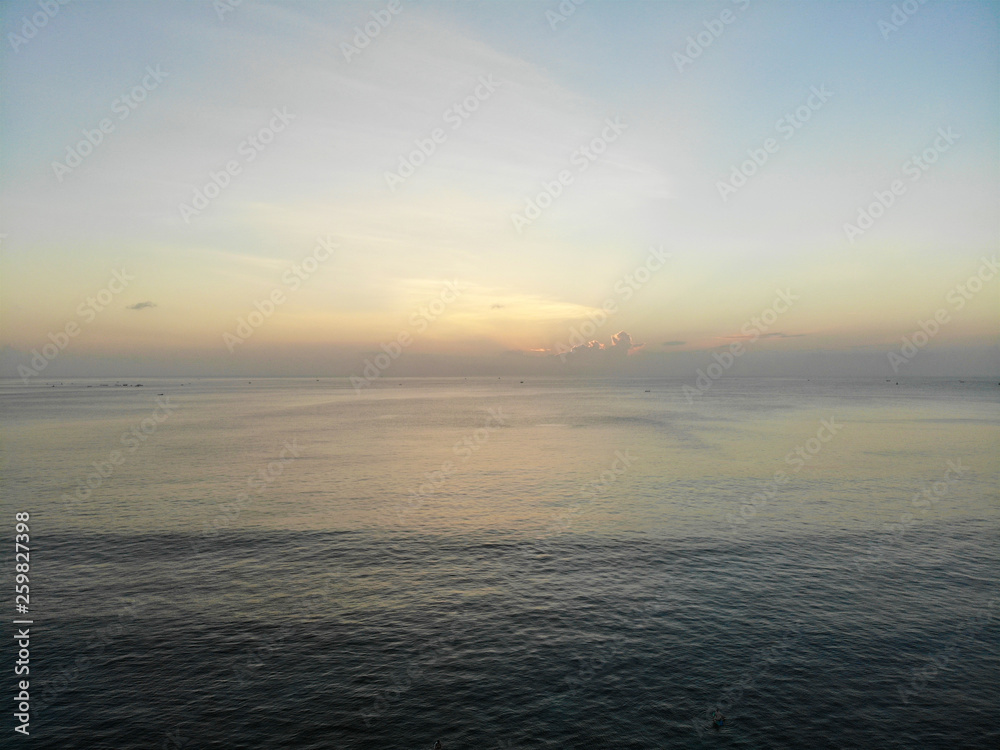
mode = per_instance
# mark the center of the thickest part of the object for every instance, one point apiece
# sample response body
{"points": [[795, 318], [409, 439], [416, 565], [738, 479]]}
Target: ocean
{"points": [[498, 564]]}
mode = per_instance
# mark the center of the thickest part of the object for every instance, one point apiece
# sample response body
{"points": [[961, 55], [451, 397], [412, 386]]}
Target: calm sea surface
{"points": [[500, 565]]}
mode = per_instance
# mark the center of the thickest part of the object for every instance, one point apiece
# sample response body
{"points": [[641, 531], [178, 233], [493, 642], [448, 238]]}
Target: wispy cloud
{"points": [[771, 335]]}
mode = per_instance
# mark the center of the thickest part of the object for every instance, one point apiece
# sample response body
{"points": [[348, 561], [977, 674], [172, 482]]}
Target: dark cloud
{"points": [[673, 343], [140, 305], [622, 344]]}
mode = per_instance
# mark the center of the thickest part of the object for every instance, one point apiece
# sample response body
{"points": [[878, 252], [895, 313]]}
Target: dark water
{"points": [[478, 620], [487, 643]]}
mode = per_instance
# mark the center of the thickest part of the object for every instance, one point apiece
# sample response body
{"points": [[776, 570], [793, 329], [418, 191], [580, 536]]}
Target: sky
{"points": [[438, 188]]}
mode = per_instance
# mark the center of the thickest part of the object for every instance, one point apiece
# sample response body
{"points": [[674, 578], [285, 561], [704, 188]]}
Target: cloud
{"points": [[497, 306], [526, 353], [622, 344], [140, 305], [772, 335], [594, 351], [673, 343]]}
